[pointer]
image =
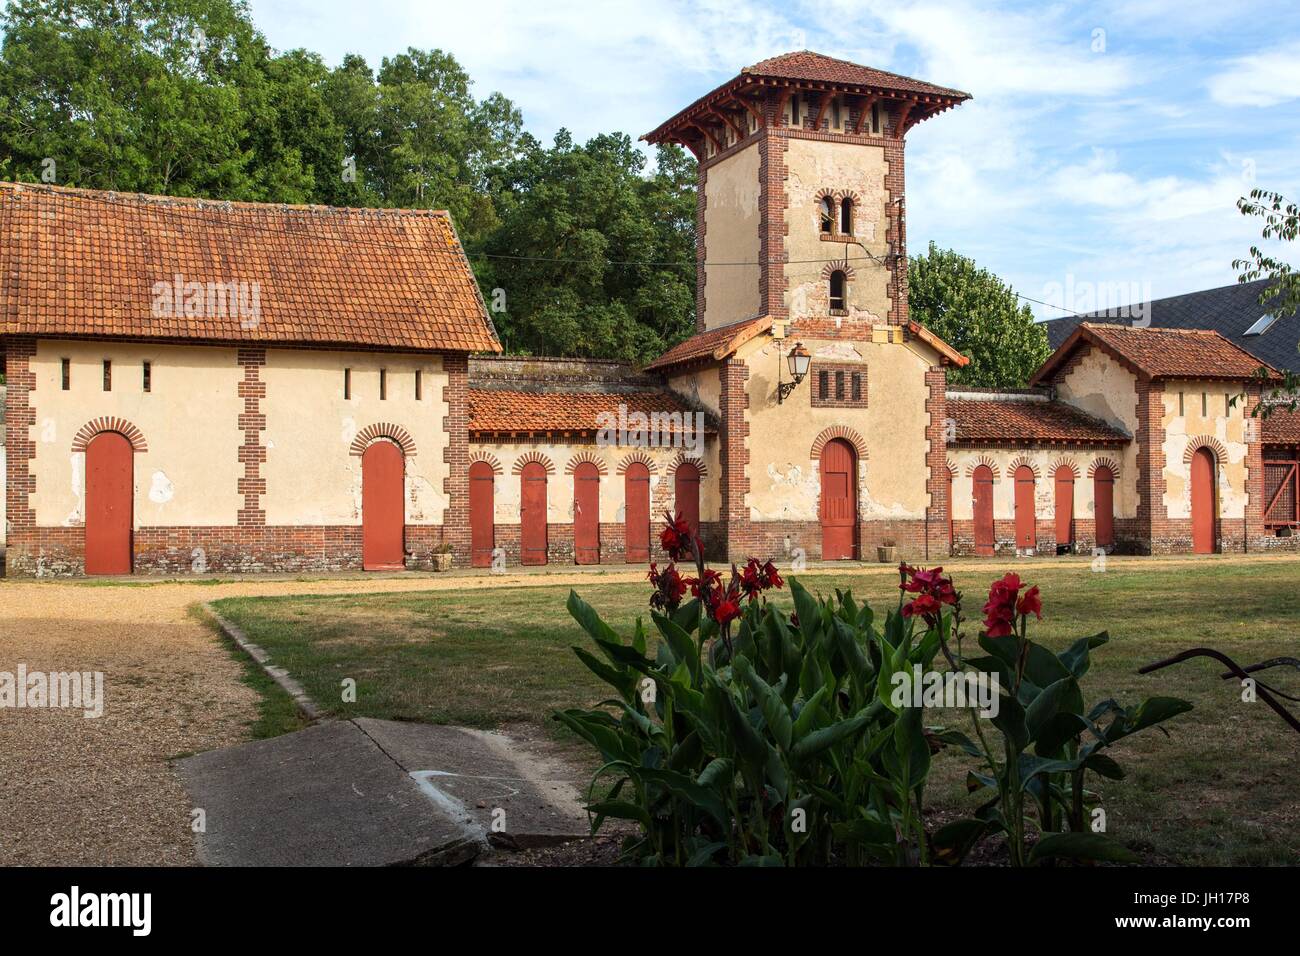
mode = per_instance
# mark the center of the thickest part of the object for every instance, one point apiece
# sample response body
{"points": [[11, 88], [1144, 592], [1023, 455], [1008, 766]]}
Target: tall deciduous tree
{"points": [[1281, 219], [979, 315]]}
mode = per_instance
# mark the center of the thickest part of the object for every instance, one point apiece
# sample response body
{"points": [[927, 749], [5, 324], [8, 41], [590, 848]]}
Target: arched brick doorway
{"points": [[586, 514], [110, 481], [1204, 502], [636, 513], [383, 507], [982, 505], [686, 492], [1103, 496], [482, 505], [839, 500], [532, 514], [1025, 517], [1064, 506]]}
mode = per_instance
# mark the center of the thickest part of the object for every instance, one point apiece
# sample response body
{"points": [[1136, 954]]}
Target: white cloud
{"points": [[1260, 79]]}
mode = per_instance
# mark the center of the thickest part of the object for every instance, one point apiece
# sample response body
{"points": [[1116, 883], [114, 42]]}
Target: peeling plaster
{"points": [[161, 489]]}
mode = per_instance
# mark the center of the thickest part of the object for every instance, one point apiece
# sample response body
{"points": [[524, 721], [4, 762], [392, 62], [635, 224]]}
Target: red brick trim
{"points": [[939, 470], [841, 265], [455, 425], [487, 457], [106, 424], [734, 523], [394, 433], [1020, 461], [583, 457], [1205, 441], [818, 399], [252, 421], [1069, 465], [681, 459], [982, 460], [1110, 463], [772, 227], [838, 431], [20, 415], [895, 232], [638, 456], [532, 456]]}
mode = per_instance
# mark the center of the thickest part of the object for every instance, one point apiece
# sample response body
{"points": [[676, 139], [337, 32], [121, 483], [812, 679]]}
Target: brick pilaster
{"points": [[1152, 515], [252, 421], [772, 227], [455, 520], [20, 448], [1253, 530], [936, 460], [896, 232], [734, 453]]}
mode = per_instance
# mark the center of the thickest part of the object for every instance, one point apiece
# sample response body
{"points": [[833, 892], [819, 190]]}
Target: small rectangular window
{"points": [[383, 384], [835, 113], [1205, 404], [794, 110], [147, 376], [66, 371], [419, 390], [347, 383], [1227, 404], [1181, 409], [823, 384], [108, 375], [839, 386], [857, 387]]}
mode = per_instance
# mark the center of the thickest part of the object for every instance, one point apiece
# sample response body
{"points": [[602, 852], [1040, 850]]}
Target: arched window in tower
{"points": [[828, 215], [846, 217], [837, 291]]}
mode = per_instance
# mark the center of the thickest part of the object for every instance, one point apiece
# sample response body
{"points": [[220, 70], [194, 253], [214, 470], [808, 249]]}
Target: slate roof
{"points": [[1158, 353], [1026, 422], [1229, 310], [88, 263]]}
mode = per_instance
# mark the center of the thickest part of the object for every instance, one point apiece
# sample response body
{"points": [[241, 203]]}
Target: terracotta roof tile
{"points": [[819, 68], [1281, 428], [1160, 353], [713, 345], [505, 410], [1021, 422], [84, 262]]}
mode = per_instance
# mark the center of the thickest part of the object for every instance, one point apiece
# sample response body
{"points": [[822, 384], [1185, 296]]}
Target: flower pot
{"points": [[887, 554], [442, 561]]}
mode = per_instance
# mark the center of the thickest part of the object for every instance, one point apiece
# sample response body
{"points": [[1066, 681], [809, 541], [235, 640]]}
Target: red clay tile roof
{"points": [[1021, 422], [504, 410], [1281, 428], [1159, 353], [84, 262], [713, 345], [819, 68]]}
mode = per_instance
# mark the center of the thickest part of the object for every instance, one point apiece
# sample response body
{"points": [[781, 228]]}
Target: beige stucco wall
{"points": [[731, 234], [702, 388], [311, 476], [189, 420], [1045, 461], [559, 486], [813, 166], [784, 480], [1105, 389], [1218, 422]]}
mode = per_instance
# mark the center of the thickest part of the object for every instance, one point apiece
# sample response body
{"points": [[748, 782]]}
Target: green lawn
{"points": [[1223, 787]]}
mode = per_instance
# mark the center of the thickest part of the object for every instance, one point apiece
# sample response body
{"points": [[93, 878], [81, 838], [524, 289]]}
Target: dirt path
{"points": [[101, 791]]}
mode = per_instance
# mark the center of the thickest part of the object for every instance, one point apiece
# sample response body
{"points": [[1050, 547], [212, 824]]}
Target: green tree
{"points": [[594, 256], [1282, 295], [978, 314]]}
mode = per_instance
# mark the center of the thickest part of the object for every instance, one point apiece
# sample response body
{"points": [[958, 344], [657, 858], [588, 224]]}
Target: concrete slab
{"points": [[323, 796], [518, 798]]}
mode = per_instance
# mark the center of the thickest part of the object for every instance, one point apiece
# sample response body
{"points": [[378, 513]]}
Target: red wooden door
{"points": [[383, 508], [839, 501], [1064, 506], [1203, 501], [982, 504], [482, 503], [110, 484], [586, 514], [1103, 496], [1025, 537], [636, 513], [532, 514], [686, 492]]}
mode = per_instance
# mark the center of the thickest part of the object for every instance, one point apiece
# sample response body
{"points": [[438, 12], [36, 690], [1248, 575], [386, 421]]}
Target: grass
{"points": [[1220, 789]]}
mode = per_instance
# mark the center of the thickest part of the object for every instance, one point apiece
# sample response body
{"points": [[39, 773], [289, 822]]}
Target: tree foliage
{"points": [[979, 315], [1282, 295]]}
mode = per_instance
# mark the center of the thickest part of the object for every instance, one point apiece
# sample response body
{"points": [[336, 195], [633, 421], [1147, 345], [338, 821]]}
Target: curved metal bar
{"points": [[1236, 671]]}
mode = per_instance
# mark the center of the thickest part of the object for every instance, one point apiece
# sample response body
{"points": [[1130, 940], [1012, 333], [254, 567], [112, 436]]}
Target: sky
{"points": [[1099, 162]]}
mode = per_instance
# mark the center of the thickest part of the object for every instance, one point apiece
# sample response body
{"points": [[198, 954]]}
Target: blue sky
{"points": [[1106, 144]]}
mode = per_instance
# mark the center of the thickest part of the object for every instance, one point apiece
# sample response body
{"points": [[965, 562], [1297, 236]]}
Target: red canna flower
{"points": [[1000, 611], [933, 590], [1031, 603], [676, 537], [725, 611], [772, 575], [669, 588]]}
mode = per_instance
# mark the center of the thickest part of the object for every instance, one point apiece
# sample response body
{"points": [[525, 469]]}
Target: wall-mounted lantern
{"points": [[798, 359]]}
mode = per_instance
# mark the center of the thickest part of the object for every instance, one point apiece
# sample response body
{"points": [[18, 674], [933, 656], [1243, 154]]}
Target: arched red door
{"points": [[839, 501], [1103, 497], [532, 514], [586, 514], [1025, 537], [982, 506], [686, 494], [383, 508], [1203, 501], [482, 504], [1064, 506], [110, 481], [636, 513]]}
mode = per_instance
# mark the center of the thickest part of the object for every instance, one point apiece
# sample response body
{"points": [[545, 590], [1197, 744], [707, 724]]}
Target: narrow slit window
{"points": [[347, 383], [846, 217], [1181, 408], [383, 384], [839, 386], [1227, 404], [146, 376], [837, 291], [835, 113], [823, 383], [108, 375], [1205, 404], [66, 371], [857, 387], [794, 110], [419, 385]]}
